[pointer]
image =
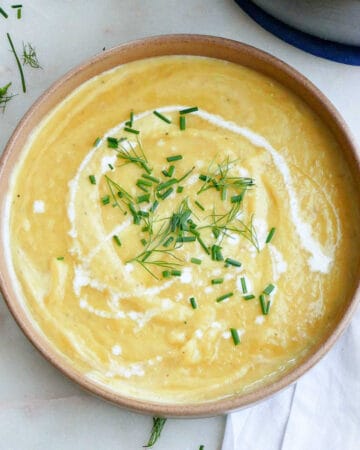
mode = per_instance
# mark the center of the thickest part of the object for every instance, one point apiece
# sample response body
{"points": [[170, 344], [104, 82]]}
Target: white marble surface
{"points": [[39, 408]]}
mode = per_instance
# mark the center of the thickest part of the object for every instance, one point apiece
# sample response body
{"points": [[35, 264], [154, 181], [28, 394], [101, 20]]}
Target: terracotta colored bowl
{"points": [[144, 48]]}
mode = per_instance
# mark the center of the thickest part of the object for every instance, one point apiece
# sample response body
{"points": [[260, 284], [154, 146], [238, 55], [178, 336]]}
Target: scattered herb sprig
{"points": [[158, 425], [5, 97], [23, 83], [29, 56]]}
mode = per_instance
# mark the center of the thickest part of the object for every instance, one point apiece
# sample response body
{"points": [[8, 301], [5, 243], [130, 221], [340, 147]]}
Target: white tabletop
{"points": [[39, 408]]}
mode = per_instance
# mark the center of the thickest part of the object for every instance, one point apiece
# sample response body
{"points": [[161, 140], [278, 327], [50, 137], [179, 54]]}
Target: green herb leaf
{"points": [[270, 235], [158, 425], [162, 117], [189, 110], [4, 96], [174, 158], [3, 13], [235, 336], [224, 297], [17, 62], [269, 288], [29, 56], [193, 302]]}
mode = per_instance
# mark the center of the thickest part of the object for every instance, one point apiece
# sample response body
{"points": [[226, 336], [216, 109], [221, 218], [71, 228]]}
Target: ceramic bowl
{"points": [[149, 47]]}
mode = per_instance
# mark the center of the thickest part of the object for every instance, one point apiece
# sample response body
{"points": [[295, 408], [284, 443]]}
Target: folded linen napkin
{"points": [[321, 411]]}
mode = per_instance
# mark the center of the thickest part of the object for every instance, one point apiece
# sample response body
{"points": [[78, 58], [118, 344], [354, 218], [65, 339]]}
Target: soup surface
{"points": [[189, 253]]}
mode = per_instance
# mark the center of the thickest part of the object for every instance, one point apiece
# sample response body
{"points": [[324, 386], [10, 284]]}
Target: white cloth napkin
{"points": [[320, 412]]}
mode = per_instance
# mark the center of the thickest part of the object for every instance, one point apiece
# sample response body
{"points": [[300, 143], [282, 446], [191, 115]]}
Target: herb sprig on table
{"points": [[28, 57], [158, 425], [5, 97]]}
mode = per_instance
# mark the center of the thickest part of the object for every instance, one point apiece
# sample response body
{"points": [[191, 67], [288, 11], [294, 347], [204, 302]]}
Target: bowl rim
{"points": [[189, 44]]}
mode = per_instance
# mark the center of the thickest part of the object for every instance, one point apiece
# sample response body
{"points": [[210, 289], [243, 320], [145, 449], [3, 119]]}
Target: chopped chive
{"points": [[196, 261], [60, 258], [203, 177], [166, 184], [145, 229], [193, 302], [143, 198], [189, 110], [143, 241], [150, 178], [269, 288], [174, 158], [166, 193], [18, 14], [182, 123], [111, 166], [2, 12], [217, 281], [267, 307], [166, 274], [143, 183], [134, 213], [263, 304], [237, 198], [233, 262], [143, 188], [248, 297], [202, 447], [235, 336], [160, 116], [171, 171], [216, 254], [17, 6], [97, 142], [131, 130], [179, 189], [131, 118], [146, 167], [243, 285], [168, 241], [176, 273], [17, 61], [270, 235], [112, 142], [224, 297], [143, 214], [186, 239], [105, 200], [154, 206], [117, 240], [199, 205], [165, 173], [92, 179]]}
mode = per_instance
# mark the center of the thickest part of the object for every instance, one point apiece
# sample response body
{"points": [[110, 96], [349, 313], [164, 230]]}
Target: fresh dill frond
{"points": [[5, 97], [118, 194], [158, 425], [247, 231], [172, 227], [130, 155], [29, 56], [219, 178]]}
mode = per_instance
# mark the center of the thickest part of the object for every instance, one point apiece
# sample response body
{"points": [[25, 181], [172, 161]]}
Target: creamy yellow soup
{"points": [[187, 254]]}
